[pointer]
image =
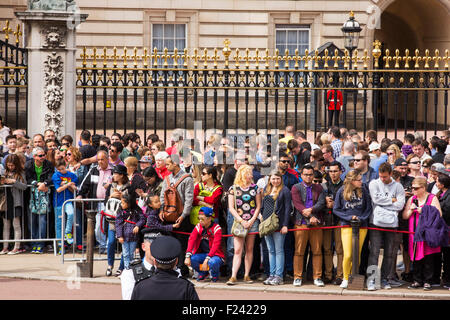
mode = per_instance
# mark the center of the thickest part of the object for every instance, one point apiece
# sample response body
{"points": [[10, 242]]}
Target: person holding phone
{"points": [[420, 252], [352, 202]]}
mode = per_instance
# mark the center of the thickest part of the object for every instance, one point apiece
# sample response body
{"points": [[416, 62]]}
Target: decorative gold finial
{"points": [[355, 59], [215, 57], [125, 57], [365, 59], [397, 59], [226, 51], [406, 59], [257, 58], [326, 58], [135, 56], [286, 59], [145, 57], [17, 33], [237, 57], [166, 57], [155, 56], [94, 56], [185, 58], [387, 59], [277, 58], [247, 58], [205, 58], [376, 52], [115, 56], [445, 59], [346, 59], [175, 57], [104, 56], [436, 59], [7, 30], [267, 58], [352, 14], [83, 56], [316, 59], [195, 57], [417, 59], [296, 58], [336, 58], [427, 59]]}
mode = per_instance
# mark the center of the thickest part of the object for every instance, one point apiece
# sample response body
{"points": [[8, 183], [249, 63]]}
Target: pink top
{"points": [[422, 248]]}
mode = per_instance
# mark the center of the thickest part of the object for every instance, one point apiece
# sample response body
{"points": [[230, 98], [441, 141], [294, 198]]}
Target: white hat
{"points": [[162, 155], [374, 146]]}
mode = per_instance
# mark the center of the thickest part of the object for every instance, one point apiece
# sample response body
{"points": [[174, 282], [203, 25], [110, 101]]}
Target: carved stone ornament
{"points": [[53, 91], [51, 5], [54, 37]]}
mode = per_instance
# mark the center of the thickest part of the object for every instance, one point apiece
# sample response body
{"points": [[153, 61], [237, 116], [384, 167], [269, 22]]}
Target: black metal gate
{"points": [[13, 79], [153, 91]]}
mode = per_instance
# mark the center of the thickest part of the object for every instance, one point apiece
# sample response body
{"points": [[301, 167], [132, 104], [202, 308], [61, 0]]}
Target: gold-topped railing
{"points": [[262, 59]]}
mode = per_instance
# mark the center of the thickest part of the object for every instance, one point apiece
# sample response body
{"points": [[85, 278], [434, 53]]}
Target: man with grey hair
{"points": [[94, 186], [38, 172], [348, 151]]}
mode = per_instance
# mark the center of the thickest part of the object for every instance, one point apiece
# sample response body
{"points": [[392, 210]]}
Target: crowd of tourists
{"points": [[275, 212]]}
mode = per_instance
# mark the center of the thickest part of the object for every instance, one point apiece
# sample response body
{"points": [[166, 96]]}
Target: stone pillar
{"points": [[50, 37]]}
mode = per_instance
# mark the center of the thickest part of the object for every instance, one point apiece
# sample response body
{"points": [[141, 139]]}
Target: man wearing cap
{"points": [[436, 168], [145, 162], [374, 150], [204, 251], [140, 269], [165, 284]]}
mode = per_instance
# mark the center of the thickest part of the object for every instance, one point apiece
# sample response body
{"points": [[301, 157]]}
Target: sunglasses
{"points": [[68, 154], [416, 188], [285, 161], [204, 173], [317, 181], [425, 166], [390, 153], [358, 160], [40, 155], [414, 162]]}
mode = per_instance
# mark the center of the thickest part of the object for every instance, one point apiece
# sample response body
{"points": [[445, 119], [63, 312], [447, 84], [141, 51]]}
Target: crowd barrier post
{"points": [[356, 281]]}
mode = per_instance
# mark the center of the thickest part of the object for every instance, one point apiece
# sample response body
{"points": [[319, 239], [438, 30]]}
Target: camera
{"points": [[416, 202]]}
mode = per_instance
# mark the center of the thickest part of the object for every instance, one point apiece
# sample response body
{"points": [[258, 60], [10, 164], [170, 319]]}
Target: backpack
{"points": [[173, 207]]}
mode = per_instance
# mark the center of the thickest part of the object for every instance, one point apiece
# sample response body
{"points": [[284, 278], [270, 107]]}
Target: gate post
{"points": [[50, 37]]}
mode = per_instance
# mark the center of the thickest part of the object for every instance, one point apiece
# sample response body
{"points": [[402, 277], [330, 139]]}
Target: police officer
{"points": [[139, 269], [165, 284]]}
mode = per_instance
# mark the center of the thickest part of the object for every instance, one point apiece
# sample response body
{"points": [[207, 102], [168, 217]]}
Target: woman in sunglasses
{"points": [[393, 152], [414, 166], [352, 202], [207, 193], [422, 255]]}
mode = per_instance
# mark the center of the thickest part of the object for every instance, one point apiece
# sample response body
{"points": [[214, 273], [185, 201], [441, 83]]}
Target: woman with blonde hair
{"points": [[393, 152], [277, 199], [244, 203], [352, 202], [422, 255]]}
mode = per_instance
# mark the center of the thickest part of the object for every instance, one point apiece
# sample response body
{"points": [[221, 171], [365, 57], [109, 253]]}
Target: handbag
{"points": [[237, 229], [40, 202], [272, 223], [193, 217]]}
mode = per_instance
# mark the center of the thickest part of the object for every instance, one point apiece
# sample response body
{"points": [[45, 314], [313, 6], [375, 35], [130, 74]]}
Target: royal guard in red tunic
{"points": [[334, 99]]}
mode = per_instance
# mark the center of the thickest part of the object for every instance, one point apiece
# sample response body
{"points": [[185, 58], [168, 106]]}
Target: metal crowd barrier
{"points": [[80, 256], [26, 219]]}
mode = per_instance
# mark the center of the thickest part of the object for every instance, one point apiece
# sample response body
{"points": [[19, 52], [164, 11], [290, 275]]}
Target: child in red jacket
{"points": [[204, 251]]}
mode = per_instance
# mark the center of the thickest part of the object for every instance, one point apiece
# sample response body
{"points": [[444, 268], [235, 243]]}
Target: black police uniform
{"points": [[165, 284]]}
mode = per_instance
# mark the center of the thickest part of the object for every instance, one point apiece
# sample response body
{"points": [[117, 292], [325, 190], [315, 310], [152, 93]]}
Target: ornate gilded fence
{"points": [[149, 90], [13, 78]]}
